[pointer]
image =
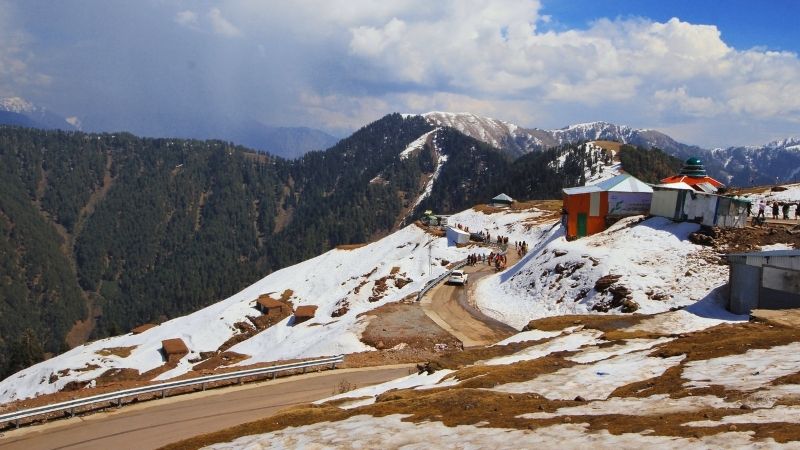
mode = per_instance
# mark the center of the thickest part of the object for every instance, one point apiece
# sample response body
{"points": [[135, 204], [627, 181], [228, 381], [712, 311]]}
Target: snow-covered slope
{"points": [[654, 260], [497, 133], [357, 280], [327, 281]]}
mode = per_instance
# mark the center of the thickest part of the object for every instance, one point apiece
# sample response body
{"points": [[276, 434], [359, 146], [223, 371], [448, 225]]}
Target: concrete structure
{"points": [[764, 280], [588, 209], [456, 236], [679, 202]]}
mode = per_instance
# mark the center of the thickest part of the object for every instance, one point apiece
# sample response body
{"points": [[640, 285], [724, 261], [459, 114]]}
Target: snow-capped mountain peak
{"points": [[518, 140], [21, 112], [17, 105], [792, 143]]}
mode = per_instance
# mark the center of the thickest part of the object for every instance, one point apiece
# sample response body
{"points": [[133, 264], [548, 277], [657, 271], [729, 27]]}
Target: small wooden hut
{"points": [[271, 307], [174, 349], [303, 313]]}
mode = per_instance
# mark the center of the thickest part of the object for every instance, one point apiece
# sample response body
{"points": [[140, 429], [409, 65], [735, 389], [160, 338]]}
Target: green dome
{"points": [[694, 161]]}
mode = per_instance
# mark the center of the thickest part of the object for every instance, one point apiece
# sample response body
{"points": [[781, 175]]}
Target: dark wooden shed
{"points": [[271, 307]]}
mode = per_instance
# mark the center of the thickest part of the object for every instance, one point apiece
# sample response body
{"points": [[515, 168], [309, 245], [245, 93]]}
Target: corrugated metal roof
{"points": [[769, 253], [503, 198], [457, 231], [620, 183], [678, 185], [581, 190], [706, 187], [789, 259]]}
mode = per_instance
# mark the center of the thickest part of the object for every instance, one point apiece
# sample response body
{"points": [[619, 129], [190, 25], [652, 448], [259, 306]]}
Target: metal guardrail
{"points": [[162, 388], [431, 284]]}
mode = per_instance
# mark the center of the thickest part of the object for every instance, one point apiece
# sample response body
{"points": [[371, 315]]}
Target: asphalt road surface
{"points": [[450, 308], [154, 424]]}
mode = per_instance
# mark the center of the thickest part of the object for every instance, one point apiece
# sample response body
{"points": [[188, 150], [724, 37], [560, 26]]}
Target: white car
{"points": [[458, 277]]}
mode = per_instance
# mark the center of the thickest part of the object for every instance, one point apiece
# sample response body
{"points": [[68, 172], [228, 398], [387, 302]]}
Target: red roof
{"points": [[305, 311], [269, 302], [691, 181], [174, 346]]}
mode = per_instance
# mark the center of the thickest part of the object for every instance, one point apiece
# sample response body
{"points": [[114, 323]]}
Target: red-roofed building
{"points": [[694, 174]]}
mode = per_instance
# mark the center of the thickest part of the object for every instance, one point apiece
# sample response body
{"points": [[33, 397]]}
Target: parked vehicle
{"points": [[458, 277]]}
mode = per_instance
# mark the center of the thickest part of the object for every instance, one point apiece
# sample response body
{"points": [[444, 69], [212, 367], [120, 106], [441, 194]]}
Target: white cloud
{"points": [[679, 99], [186, 18], [342, 63], [221, 25], [16, 74]]}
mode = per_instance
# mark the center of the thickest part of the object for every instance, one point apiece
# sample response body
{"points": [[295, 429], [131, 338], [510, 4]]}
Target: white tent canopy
{"points": [[503, 198], [624, 183]]}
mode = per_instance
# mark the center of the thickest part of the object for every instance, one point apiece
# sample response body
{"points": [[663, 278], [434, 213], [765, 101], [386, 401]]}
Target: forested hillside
{"points": [[100, 233], [122, 230], [650, 166]]}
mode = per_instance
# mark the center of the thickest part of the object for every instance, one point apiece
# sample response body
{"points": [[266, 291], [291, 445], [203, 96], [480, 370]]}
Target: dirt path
{"points": [[154, 424], [453, 309]]}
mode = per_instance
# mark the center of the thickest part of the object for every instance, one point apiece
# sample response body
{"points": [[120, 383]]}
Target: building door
{"points": [[581, 224]]}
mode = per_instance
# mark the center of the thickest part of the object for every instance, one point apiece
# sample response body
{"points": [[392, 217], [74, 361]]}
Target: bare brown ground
{"points": [[350, 246], [733, 240], [122, 352], [398, 323], [609, 145], [783, 317], [552, 206], [596, 322], [752, 190]]}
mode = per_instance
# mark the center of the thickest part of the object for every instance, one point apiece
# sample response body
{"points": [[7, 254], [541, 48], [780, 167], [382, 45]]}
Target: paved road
{"points": [[451, 308], [157, 423]]}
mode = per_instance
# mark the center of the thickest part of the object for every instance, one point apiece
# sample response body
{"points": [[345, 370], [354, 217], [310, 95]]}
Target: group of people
{"points": [[475, 258], [498, 260], [522, 248], [501, 240], [778, 208]]}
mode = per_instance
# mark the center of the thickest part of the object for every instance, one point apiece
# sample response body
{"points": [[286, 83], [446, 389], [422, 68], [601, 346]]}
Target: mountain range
{"points": [[777, 161]]}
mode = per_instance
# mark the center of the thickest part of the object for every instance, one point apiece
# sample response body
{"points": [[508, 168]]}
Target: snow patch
{"points": [[746, 371], [569, 342], [648, 406], [594, 381], [416, 381]]}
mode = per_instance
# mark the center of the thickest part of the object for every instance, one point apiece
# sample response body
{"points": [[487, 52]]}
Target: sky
{"points": [[706, 72]]}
